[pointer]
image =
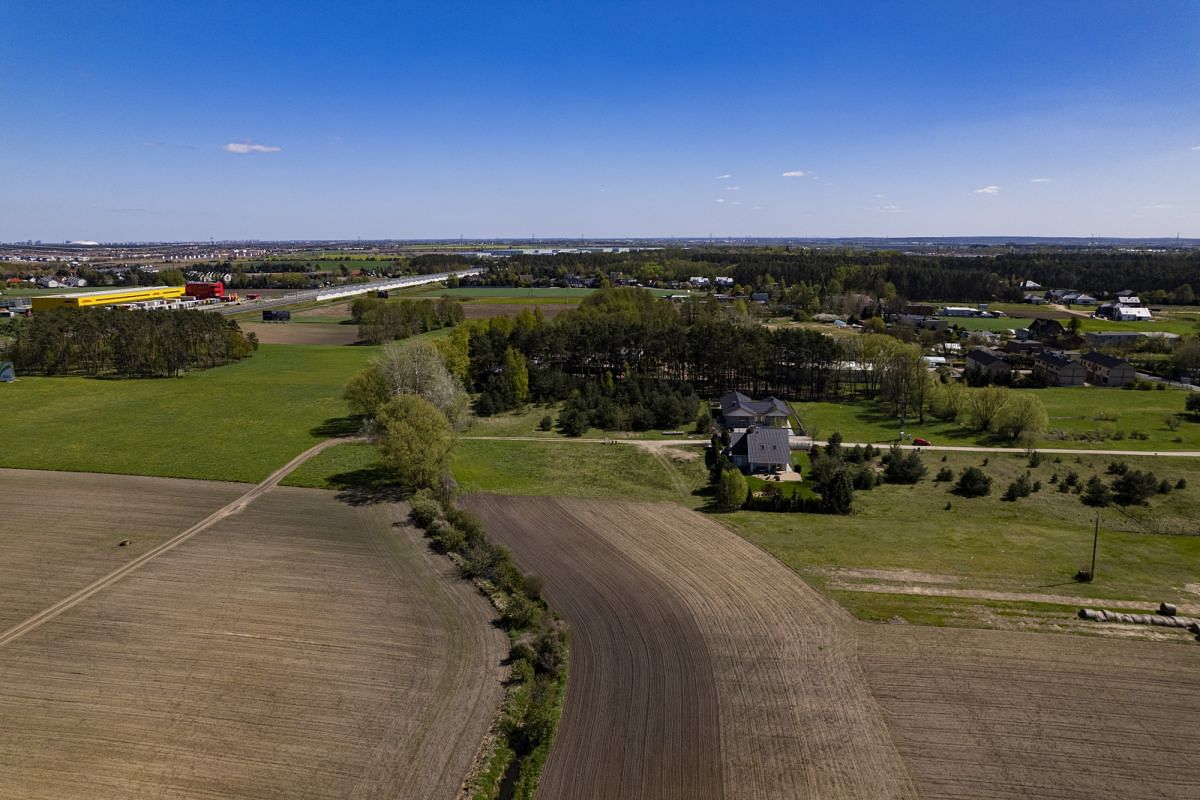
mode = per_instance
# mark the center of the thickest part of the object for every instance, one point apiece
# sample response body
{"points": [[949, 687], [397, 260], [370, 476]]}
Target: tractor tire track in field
{"points": [[272, 480], [640, 714], [793, 711]]}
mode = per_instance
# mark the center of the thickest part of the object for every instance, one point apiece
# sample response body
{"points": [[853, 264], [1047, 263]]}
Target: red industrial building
{"points": [[205, 291]]}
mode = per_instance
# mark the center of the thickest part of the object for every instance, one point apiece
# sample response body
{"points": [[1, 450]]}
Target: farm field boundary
{"points": [[1002, 715], [303, 647], [659, 599], [49, 613]]}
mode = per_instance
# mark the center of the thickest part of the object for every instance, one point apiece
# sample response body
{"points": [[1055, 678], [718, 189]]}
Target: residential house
{"points": [[1027, 347], [1112, 338], [1058, 370], [739, 411], [985, 363], [1106, 370], [1046, 330], [760, 449]]}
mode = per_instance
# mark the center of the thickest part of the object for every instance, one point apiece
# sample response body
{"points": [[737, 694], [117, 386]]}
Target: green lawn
{"points": [[564, 469], [1033, 545], [1075, 414], [526, 422], [238, 422]]}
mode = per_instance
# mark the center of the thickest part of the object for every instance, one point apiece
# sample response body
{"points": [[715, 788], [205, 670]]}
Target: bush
{"points": [[1037, 486], [1035, 459], [546, 424], [903, 467], [1164, 486], [1096, 494], [1117, 468], [944, 474], [732, 490], [1071, 479], [973, 482], [424, 507], [864, 478], [1181, 484], [1021, 487], [1134, 488]]}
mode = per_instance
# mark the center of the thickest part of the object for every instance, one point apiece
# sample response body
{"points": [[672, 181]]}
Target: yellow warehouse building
{"points": [[108, 297]]}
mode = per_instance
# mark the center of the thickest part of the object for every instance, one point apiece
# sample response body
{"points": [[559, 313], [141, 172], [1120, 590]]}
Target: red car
{"points": [[919, 442]]}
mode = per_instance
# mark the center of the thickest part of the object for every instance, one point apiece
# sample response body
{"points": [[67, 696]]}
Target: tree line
{"points": [[381, 320], [978, 275], [133, 344]]}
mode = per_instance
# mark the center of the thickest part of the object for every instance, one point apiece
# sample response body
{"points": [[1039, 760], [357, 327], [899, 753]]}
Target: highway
{"points": [[335, 292]]}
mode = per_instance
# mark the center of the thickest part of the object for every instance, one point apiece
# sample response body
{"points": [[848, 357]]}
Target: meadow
{"points": [[1079, 418], [235, 423], [923, 554]]}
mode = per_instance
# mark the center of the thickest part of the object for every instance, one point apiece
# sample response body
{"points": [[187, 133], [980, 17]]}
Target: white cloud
{"points": [[878, 197], [720, 199], [724, 177], [988, 190], [736, 203], [732, 188], [247, 147], [1040, 180], [1158, 206], [757, 208], [795, 173], [1197, 147], [892, 209]]}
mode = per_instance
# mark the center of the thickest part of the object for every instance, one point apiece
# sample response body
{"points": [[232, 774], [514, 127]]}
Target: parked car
{"points": [[920, 442]]}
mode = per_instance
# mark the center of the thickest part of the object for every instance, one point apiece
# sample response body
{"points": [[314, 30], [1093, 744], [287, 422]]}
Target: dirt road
{"points": [[664, 604], [52, 611]]}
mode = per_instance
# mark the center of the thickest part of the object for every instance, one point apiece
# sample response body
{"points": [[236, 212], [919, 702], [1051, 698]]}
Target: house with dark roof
{"points": [[760, 449], [739, 411], [1106, 370], [1046, 330], [986, 363], [1058, 370]]}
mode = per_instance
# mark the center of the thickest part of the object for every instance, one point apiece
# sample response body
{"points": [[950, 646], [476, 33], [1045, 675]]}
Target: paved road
{"points": [[332, 292], [47, 614], [651, 443]]}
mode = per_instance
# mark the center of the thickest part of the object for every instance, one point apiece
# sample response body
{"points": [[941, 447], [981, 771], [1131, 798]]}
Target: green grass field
{"points": [[526, 423], [238, 422], [1033, 545], [555, 469], [562, 469], [1073, 412]]}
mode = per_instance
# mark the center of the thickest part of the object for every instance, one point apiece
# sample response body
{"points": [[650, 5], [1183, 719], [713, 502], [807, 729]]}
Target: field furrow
{"points": [[302, 648], [794, 714], [1007, 715]]}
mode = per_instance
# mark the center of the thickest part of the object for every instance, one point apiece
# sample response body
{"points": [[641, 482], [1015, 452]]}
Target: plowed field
{"points": [[700, 666], [1032, 716], [299, 649], [59, 531]]}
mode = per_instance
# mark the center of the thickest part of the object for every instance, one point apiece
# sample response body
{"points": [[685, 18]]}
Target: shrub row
{"points": [[533, 703]]}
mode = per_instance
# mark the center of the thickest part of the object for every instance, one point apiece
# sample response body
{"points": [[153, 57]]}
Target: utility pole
{"points": [[1095, 540]]}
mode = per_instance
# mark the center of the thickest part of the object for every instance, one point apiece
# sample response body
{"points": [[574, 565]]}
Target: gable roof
{"points": [[762, 445], [984, 357], [1103, 359], [1055, 360], [739, 405]]}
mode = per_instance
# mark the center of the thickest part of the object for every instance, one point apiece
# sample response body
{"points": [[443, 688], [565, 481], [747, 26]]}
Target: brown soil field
{"points": [[700, 666], [299, 648], [998, 714], [488, 310], [59, 531], [302, 333]]}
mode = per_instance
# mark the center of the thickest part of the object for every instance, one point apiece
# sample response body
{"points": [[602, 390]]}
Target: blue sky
{"points": [[126, 120]]}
